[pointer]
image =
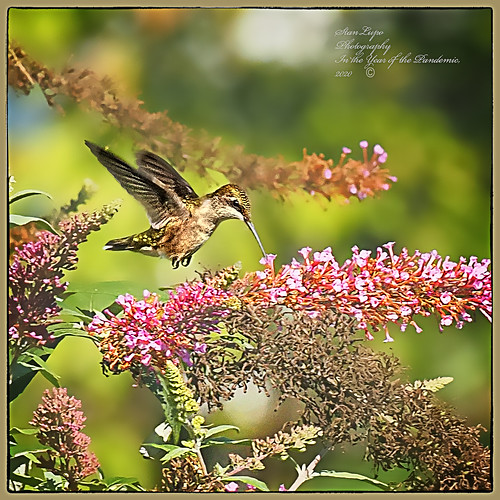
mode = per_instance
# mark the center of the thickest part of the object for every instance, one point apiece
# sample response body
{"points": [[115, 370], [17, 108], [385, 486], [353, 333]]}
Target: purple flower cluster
{"points": [[35, 277], [60, 422], [149, 332], [35, 282], [376, 291]]}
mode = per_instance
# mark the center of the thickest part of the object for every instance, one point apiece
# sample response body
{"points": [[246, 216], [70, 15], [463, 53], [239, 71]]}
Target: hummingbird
{"points": [[181, 221]]}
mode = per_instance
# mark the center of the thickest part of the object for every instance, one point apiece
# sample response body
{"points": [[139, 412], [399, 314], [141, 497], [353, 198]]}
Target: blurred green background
{"points": [[266, 79]]}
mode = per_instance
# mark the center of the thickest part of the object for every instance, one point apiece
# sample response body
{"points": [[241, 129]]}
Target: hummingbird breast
{"points": [[184, 240]]}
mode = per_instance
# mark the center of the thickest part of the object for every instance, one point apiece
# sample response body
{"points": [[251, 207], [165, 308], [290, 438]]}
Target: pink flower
{"points": [[346, 151], [149, 332], [446, 320], [282, 488], [324, 256], [405, 311], [268, 260], [377, 290], [363, 144], [327, 173], [231, 487], [382, 159], [305, 252], [388, 338]]}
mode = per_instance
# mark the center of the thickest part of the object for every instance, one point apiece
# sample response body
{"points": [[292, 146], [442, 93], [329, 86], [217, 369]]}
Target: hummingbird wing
{"points": [[163, 174], [160, 203]]}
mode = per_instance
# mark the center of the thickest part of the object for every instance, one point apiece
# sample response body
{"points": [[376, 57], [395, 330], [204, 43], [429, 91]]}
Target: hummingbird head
{"points": [[233, 203]]}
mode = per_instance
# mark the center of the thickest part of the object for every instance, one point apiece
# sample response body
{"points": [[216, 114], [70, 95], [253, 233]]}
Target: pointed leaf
{"points": [[219, 429], [99, 296], [177, 452], [26, 432], [43, 368], [117, 483], [21, 220], [26, 193], [24, 370], [219, 441], [350, 475], [165, 447], [67, 330], [26, 480]]}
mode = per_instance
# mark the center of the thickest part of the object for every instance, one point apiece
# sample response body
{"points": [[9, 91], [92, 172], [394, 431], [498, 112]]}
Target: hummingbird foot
{"points": [[184, 261]]}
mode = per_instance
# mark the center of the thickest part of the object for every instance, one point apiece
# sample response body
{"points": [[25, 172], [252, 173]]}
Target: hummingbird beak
{"points": [[254, 232]]}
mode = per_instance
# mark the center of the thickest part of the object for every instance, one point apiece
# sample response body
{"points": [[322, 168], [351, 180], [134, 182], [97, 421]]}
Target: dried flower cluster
{"points": [[376, 291], [280, 444], [151, 333], [36, 273], [185, 474], [156, 131], [439, 449], [351, 178], [351, 392], [60, 422]]}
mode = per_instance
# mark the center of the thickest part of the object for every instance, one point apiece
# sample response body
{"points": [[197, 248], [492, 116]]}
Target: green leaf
{"points": [[24, 369], [117, 483], [53, 482], [222, 440], [92, 485], [21, 220], [177, 452], [350, 475], [26, 480], [27, 453], [155, 451], [261, 485], [67, 330], [40, 365], [26, 432], [219, 429], [164, 447], [26, 193], [98, 296]]}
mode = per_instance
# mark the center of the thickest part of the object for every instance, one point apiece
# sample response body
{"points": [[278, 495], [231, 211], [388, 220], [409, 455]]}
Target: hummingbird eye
{"points": [[236, 204]]}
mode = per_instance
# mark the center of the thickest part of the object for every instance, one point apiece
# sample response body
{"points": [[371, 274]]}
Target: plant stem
{"points": [[307, 472]]}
